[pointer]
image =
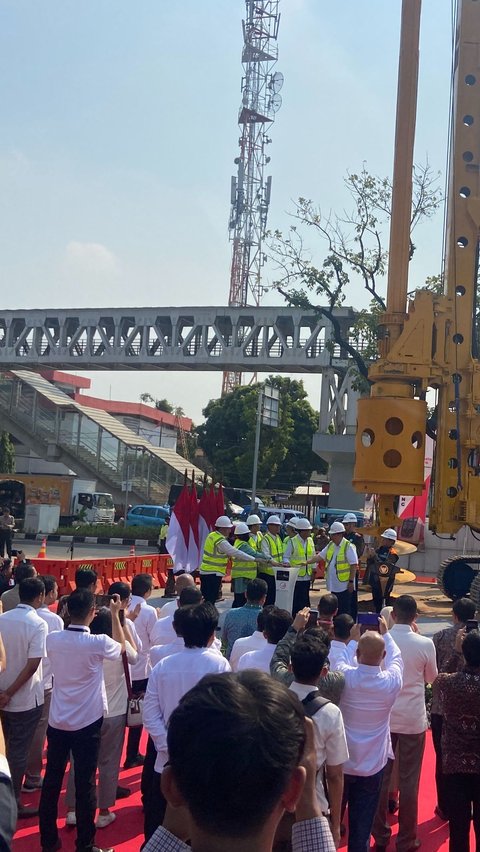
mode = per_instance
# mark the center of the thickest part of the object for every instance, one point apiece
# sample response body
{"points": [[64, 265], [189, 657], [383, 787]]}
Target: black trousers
{"points": [[377, 594], [440, 778], [463, 790], [272, 589], [301, 596], [6, 542], [19, 730], [84, 745], [153, 800], [210, 586], [134, 734], [347, 603]]}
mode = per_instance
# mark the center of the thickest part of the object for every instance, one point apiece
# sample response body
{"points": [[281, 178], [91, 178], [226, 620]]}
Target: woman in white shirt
{"points": [[113, 727]]}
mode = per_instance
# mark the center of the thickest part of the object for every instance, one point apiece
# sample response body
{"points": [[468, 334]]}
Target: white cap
{"points": [[253, 519], [223, 522], [273, 519], [337, 527], [349, 518], [391, 534], [292, 523], [241, 529], [303, 524]]}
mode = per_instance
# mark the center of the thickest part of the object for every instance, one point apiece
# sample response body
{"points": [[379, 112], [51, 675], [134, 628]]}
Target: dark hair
{"points": [[79, 603], [30, 589], [320, 634], [277, 623], [405, 609], [262, 616], [242, 536], [121, 589], [198, 624], [464, 609], [24, 571], [85, 577], [252, 737], [189, 595], [5, 509], [308, 657], [141, 584], [256, 590], [471, 649], [178, 618], [49, 582], [328, 604], [342, 625], [102, 623]]}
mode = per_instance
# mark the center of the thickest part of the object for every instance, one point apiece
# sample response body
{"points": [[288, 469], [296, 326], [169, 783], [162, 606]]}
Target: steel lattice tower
{"points": [[250, 191]]}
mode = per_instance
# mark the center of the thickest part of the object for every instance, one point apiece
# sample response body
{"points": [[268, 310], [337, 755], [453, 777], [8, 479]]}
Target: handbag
{"points": [[135, 702]]}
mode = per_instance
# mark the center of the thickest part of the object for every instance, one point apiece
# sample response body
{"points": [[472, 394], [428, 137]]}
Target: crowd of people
{"points": [[281, 730]]}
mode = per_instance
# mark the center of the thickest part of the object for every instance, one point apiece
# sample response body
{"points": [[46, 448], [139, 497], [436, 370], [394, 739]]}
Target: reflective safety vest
{"points": [[255, 540], [342, 566], [302, 550], [275, 546], [243, 569], [212, 561]]}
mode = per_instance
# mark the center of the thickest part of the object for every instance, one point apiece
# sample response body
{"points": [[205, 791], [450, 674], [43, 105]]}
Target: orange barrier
{"points": [[165, 562], [108, 571], [57, 568], [147, 564]]}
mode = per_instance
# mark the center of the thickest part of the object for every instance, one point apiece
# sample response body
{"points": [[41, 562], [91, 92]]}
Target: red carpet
{"points": [[125, 834]]}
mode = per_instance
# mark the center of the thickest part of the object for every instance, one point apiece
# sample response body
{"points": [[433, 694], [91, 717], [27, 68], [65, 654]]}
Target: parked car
{"points": [[326, 516], [147, 516]]}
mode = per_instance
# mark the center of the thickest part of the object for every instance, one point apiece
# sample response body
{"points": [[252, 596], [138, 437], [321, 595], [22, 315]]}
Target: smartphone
{"points": [[102, 600], [471, 624], [368, 621], [312, 619]]}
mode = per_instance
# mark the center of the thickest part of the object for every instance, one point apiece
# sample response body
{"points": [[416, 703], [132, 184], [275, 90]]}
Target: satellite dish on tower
{"points": [[275, 103], [276, 82]]}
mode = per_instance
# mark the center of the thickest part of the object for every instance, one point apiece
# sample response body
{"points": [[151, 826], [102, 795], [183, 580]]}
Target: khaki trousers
{"points": [[408, 749]]}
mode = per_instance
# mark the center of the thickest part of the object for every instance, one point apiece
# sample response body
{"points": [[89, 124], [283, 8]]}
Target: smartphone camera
{"points": [[471, 624], [368, 621], [312, 619]]}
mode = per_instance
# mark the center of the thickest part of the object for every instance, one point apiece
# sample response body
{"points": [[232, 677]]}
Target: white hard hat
{"points": [[391, 534], [241, 529], [337, 527], [349, 518], [303, 524], [273, 519], [253, 519], [223, 522], [292, 522]]}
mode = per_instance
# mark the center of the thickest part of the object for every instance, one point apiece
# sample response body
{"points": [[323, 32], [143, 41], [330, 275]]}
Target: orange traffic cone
{"points": [[42, 553], [132, 550]]}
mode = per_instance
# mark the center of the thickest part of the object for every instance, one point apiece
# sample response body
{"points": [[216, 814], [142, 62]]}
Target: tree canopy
{"points": [[7, 453], [286, 458]]}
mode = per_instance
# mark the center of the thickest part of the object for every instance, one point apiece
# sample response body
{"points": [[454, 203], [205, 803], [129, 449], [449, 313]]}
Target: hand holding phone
{"points": [[471, 624], [368, 621], [312, 619]]}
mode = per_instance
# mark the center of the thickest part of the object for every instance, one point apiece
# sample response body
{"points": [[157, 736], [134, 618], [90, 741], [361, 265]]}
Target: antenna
{"points": [[250, 191]]}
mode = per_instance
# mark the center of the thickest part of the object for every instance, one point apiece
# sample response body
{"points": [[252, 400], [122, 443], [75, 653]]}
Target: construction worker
{"points": [[162, 537], [290, 529], [217, 550], [298, 550], [341, 566], [243, 572], [381, 569], [253, 523], [271, 545], [350, 522]]}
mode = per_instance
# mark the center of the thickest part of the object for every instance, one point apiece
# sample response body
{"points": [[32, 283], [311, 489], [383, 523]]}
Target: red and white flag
{"points": [[220, 501], [178, 536], [193, 540], [204, 518]]}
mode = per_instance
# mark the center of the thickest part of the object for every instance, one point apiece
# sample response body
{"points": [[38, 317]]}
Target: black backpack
{"points": [[313, 702]]}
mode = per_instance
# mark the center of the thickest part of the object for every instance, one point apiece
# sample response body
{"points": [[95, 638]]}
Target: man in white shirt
{"points": [[408, 723], [277, 622], [21, 684], [145, 620], [341, 566], [171, 678], [78, 705], [249, 643], [163, 632], [35, 758], [308, 659], [181, 583], [367, 699], [342, 627]]}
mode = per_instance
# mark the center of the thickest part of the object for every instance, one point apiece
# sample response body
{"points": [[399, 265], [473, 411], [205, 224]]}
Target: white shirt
{"points": [[257, 659], [336, 653], [159, 652], [366, 702], [76, 657], [162, 632], [53, 622], [228, 549], [242, 646], [23, 633], [115, 683], [333, 583], [171, 678], [144, 623], [330, 740], [409, 715], [168, 608]]}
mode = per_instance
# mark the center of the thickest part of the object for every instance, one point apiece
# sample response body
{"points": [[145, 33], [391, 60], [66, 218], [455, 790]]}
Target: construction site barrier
{"points": [[108, 570]]}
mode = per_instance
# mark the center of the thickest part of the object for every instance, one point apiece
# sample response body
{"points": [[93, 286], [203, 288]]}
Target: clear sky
{"points": [[118, 134]]}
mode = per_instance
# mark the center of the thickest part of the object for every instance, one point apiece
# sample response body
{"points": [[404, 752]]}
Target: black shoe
{"points": [[55, 848], [134, 761], [123, 792], [440, 814], [26, 813], [97, 849], [392, 806]]}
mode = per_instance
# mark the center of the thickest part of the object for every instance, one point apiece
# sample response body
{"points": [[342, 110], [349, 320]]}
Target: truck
{"points": [[78, 499]]}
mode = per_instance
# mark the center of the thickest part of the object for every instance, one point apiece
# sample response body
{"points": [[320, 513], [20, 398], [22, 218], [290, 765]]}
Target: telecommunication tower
{"points": [[250, 191]]}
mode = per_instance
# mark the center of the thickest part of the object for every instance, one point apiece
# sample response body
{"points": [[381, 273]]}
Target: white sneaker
{"points": [[71, 818], [104, 819]]}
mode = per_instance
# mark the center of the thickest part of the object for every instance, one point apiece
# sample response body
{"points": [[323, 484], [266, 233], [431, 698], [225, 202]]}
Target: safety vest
{"points": [[342, 566], [255, 540], [275, 546], [212, 561], [302, 550], [248, 570]]}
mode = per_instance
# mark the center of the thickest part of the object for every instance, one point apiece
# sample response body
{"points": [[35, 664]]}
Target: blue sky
{"points": [[118, 134]]}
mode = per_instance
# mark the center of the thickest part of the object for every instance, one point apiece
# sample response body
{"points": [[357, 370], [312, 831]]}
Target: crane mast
{"points": [[432, 342]]}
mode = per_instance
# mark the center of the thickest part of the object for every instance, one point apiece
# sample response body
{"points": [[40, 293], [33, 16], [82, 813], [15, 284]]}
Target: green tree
{"points": [[286, 458], [7, 453]]}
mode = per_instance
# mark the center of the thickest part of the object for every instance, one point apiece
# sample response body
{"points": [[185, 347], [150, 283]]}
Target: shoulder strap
{"points": [[313, 702], [127, 674]]}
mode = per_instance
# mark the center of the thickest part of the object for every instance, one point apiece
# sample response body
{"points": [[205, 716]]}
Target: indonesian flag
{"points": [[220, 501], [205, 524], [178, 536], [193, 539]]}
